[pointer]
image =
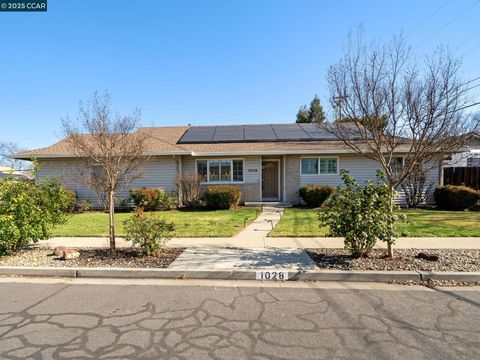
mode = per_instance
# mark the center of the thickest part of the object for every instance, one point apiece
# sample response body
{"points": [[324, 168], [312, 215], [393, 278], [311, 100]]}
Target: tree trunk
{"points": [[392, 204], [111, 220]]}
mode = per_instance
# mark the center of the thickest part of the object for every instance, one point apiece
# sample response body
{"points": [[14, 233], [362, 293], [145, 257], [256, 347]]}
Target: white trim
{"points": [[318, 167], [60, 156], [278, 171], [231, 171], [223, 153]]}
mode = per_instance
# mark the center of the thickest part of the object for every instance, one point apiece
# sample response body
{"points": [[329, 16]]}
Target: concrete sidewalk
{"points": [[250, 241]]}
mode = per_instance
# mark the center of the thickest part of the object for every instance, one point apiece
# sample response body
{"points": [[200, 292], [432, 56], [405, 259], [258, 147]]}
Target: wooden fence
{"points": [[469, 176]]}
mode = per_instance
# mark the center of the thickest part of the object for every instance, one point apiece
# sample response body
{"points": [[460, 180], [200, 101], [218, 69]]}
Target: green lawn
{"points": [[218, 223], [420, 223]]}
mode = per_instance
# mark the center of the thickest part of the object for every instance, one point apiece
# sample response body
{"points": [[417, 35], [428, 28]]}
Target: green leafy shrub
{"points": [[151, 199], [70, 201], [451, 197], [222, 197], [315, 195], [122, 205], [169, 201], [84, 205], [28, 211], [362, 215], [147, 231]]}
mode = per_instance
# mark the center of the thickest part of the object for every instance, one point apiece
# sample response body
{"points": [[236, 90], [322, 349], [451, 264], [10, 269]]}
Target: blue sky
{"points": [[199, 62]]}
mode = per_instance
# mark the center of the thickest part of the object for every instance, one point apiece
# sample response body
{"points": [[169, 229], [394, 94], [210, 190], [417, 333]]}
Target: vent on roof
{"points": [[254, 133]]}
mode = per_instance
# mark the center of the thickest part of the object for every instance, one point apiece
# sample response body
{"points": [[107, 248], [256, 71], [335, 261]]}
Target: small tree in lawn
{"points": [[360, 214], [314, 114], [399, 106], [111, 147]]}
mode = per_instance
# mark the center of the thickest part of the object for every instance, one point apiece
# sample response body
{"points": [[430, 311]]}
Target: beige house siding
{"points": [[250, 187], [161, 171], [157, 172], [362, 169]]}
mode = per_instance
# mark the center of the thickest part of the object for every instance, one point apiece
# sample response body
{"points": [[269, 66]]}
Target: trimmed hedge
{"points": [[451, 197], [150, 199], [315, 195], [70, 202], [222, 197]]}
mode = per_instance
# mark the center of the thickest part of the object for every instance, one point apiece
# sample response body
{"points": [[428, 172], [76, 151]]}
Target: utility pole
{"points": [[339, 102]]}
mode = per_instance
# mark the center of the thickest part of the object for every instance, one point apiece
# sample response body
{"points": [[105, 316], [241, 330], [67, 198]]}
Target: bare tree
{"points": [[398, 106], [188, 185], [416, 187], [110, 146], [6, 150]]}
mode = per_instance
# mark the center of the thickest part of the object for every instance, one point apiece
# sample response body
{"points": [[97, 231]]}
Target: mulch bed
{"points": [[122, 258], [405, 259]]}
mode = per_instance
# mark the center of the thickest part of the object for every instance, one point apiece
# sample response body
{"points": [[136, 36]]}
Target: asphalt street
{"points": [[201, 320]]}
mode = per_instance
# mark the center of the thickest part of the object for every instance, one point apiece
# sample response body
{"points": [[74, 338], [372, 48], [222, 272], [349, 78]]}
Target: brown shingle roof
{"points": [[164, 141]]}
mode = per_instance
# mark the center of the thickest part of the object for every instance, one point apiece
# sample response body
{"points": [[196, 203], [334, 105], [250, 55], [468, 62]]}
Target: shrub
{"points": [[70, 201], [28, 211], [169, 201], [188, 185], [222, 197], [150, 199], [147, 231], [362, 215], [416, 187], [122, 205], [315, 195], [84, 205], [451, 197]]}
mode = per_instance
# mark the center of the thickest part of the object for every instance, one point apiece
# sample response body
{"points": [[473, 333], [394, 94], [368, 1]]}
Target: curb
{"points": [[242, 274]]}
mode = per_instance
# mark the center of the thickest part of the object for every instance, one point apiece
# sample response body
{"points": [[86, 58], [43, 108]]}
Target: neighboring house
{"points": [[9, 171], [468, 158], [268, 162]]}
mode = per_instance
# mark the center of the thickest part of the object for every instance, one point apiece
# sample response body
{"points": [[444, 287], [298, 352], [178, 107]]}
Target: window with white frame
{"points": [[319, 166], [396, 164], [221, 170]]}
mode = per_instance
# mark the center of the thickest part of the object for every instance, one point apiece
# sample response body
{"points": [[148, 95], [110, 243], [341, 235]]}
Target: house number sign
{"points": [[271, 275]]}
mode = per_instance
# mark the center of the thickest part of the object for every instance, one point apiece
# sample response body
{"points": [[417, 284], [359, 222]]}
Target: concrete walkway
{"points": [[258, 230], [285, 243], [208, 259]]}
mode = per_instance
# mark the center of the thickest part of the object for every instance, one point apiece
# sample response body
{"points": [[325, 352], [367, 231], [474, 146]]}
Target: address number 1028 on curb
{"points": [[271, 275]]}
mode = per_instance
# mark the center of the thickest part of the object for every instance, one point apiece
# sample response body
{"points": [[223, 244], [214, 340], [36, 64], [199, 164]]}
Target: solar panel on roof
{"points": [[290, 132], [253, 133], [229, 133], [259, 133], [316, 132], [198, 134]]}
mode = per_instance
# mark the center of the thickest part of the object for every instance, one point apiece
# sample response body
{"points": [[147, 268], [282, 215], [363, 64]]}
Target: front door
{"points": [[270, 180]]}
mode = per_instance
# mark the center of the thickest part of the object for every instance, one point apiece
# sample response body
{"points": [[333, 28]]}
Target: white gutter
{"points": [[51, 156], [279, 152]]}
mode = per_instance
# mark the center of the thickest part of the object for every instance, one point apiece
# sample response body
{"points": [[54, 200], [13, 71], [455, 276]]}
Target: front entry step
{"points": [[278, 204]]}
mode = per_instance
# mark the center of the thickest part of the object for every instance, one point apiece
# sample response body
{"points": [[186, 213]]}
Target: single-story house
{"points": [[269, 162], [469, 157], [6, 171]]}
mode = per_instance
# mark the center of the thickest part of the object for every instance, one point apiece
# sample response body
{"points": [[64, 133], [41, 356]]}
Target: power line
{"points": [[473, 87], [428, 18], [470, 51], [471, 80], [468, 40], [465, 107], [448, 23]]}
